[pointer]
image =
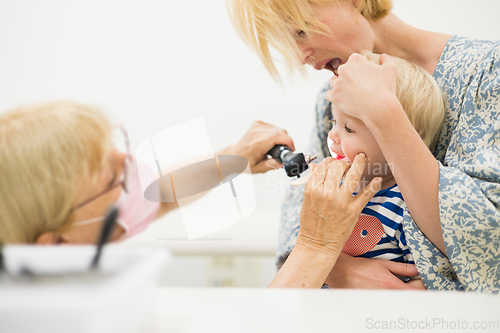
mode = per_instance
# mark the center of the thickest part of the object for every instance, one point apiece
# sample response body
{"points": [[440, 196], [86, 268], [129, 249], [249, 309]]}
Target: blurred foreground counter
{"points": [[295, 310], [255, 235], [242, 255], [54, 289]]}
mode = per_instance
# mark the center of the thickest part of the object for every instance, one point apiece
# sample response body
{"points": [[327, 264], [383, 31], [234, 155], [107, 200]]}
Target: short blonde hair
{"points": [[420, 96], [264, 23], [48, 153]]}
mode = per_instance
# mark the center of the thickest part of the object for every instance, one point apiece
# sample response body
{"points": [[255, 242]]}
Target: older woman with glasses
{"points": [[62, 171]]}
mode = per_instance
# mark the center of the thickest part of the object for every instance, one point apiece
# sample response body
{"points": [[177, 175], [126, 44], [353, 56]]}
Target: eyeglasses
{"points": [[123, 181]]}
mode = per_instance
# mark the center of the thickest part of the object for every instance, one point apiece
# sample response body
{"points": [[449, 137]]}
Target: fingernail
{"points": [[362, 155]]}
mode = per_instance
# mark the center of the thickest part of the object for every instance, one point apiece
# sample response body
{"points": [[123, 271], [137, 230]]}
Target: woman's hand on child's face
{"points": [[330, 211], [364, 89]]}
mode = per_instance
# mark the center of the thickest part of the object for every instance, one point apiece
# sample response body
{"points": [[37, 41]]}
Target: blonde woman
{"points": [[452, 195], [61, 173]]}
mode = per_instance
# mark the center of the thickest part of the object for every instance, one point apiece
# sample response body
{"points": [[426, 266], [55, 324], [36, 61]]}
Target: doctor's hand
{"points": [[330, 211], [255, 144], [365, 273], [328, 216]]}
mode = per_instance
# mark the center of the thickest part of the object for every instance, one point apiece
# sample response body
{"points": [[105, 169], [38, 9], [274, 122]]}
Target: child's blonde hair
{"points": [[264, 23], [420, 97], [48, 153]]}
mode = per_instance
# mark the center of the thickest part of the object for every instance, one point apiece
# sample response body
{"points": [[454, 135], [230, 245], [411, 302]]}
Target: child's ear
{"points": [[48, 238]]}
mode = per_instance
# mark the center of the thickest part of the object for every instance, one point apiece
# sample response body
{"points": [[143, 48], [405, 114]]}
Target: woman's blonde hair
{"points": [[48, 153], [264, 23], [420, 97]]}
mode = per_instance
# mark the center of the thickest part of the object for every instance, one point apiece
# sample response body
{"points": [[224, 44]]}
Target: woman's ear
{"points": [[48, 238]]}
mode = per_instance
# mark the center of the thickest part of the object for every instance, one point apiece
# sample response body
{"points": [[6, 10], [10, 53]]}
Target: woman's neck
{"points": [[396, 38]]}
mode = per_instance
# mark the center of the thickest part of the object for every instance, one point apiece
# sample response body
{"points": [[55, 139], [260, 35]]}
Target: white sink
{"points": [[62, 295]]}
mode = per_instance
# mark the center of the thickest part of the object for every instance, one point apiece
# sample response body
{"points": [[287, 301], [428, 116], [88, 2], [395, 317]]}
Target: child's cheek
{"points": [[349, 151]]}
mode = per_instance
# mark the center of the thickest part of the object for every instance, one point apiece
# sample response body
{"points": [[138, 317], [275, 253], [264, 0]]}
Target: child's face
{"points": [[349, 136]]}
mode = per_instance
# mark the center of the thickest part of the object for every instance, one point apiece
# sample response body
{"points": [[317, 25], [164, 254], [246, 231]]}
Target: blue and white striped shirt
{"points": [[379, 231]]}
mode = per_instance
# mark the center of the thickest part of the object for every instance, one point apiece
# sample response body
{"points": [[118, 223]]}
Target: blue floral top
{"points": [[468, 151]]}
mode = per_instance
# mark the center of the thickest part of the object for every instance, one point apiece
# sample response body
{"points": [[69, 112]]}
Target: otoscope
{"points": [[293, 163]]}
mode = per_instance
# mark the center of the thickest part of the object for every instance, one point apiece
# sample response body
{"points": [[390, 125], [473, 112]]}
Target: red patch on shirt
{"points": [[366, 234]]}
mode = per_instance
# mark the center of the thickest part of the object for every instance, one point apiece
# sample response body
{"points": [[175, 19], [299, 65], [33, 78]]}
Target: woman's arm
{"points": [[368, 91], [254, 145], [328, 215], [304, 269], [414, 167], [292, 201]]}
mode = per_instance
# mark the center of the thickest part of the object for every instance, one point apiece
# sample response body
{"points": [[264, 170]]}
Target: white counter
{"points": [[255, 235], [239, 310]]}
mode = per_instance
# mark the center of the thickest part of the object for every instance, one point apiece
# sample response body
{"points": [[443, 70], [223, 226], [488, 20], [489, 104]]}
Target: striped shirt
{"points": [[379, 231]]}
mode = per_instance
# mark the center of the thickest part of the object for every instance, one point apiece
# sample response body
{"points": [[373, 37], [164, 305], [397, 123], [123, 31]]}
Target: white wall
{"points": [[478, 18], [150, 63], [155, 63]]}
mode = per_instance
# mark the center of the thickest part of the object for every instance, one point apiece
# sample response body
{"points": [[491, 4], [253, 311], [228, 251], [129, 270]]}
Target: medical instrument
{"points": [[293, 163], [107, 228]]}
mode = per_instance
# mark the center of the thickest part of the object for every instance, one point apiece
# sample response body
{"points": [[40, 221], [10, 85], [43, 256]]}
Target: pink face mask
{"points": [[135, 213]]}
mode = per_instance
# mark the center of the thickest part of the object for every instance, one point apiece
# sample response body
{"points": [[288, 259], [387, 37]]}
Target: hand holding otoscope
{"points": [[293, 163], [259, 135]]}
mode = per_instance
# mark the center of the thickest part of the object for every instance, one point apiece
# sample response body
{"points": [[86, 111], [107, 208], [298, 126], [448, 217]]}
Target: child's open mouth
{"points": [[336, 156]]}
